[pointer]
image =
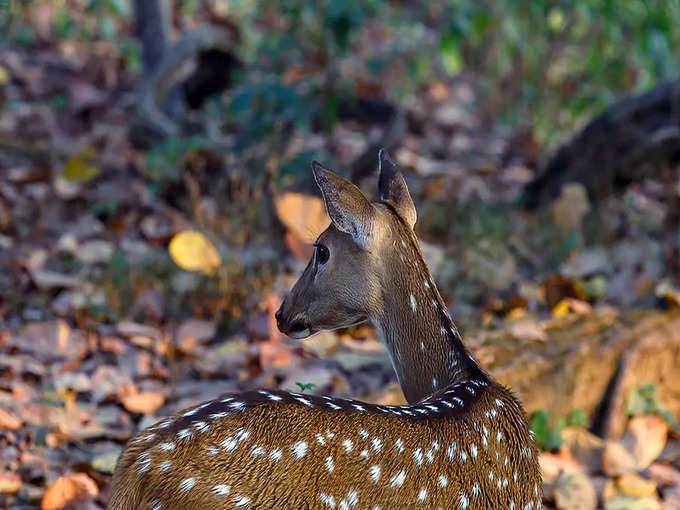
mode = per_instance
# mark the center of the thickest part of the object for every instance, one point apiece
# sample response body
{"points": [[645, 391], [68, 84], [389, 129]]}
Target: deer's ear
{"points": [[346, 205], [392, 188]]}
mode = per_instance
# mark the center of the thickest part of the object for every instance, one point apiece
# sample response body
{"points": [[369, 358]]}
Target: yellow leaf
{"points": [[192, 251], [79, 167], [562, 308], [4, 76]]}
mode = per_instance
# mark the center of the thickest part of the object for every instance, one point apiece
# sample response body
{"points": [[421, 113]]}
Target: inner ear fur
{"points": [[349, 210]]}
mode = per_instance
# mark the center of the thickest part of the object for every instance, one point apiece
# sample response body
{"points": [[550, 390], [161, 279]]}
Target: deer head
{"points": [[345, 280]]}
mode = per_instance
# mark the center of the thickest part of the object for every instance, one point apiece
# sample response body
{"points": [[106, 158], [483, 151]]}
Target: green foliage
{"points": [[577, 418], [164, 160], [548, 437], [305, 386], [645, 400]]}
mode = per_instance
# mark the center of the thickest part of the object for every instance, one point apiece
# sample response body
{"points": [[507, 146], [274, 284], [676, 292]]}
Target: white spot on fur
{"points": [[187, 484], [348, 444], [399, 444], [413, 302], [221, 490], [275, 454], [300, 449], [241, 500], [184, 434], [375, 473], [327, 500], [422, 495], [165, 465], [330, 465], [443, 482], [398, 479]]}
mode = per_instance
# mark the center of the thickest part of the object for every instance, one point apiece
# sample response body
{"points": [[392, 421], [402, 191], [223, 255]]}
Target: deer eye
{"points": [[322, 253]]}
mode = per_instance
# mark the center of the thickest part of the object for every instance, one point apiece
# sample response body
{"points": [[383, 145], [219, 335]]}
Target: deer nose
{"points": [[277, 315]]}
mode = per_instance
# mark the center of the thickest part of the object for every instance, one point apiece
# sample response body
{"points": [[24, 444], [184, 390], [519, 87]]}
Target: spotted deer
{"points": [[462, 442]]}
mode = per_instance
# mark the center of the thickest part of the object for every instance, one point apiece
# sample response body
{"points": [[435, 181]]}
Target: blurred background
{"points": [[156, 204]]}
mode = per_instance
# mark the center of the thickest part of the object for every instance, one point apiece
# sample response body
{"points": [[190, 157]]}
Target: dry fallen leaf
{"points": [[146, 402], [9, 482], [9, 420], [642, 443], [192, 251], [646, 438], [79, 167], [528, 330], [68, 490], [304, 215]]}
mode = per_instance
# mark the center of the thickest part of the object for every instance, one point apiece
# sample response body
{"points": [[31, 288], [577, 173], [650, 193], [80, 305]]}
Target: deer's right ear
{"points": [[349, 210]]}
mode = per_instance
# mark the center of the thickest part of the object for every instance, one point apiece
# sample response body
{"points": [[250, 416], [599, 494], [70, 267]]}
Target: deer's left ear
{"points": [[392, 188], [349, 210]]}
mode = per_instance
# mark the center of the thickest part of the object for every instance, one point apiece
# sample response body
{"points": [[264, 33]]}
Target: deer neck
{"points": [[425, 347]]}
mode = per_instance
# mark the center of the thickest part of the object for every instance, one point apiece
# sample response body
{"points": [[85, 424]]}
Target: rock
{"points": [[574, 491], [48, 280], [94, 252]]}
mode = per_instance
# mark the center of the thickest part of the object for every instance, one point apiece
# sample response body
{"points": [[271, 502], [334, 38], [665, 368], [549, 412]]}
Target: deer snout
{"points": [[295, 325]]}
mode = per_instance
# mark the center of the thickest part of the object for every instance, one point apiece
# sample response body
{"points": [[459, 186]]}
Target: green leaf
{"points": [[305, 386], [449, 51], [539, 424], [577, 417]]}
